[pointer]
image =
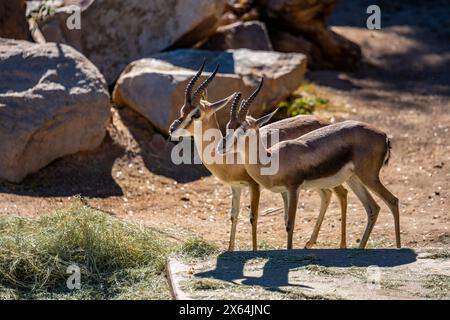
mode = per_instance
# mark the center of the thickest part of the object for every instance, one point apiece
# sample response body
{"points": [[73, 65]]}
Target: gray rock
{"points": [[307, 19], [116, 32], [154, 87], [240, 35], [287, 42], [53, 102]]}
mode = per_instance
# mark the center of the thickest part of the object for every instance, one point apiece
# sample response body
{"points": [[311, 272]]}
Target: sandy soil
{"points": [[403, 87], [314, 274]]}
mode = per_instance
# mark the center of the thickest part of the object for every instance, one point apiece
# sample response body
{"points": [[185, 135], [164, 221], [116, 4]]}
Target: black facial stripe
{"points": [[175, 125], [194, 114]]}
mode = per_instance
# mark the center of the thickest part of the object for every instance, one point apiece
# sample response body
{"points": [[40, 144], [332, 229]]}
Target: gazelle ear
{"points": [[263, 120], [205, 95], [216, 106]]}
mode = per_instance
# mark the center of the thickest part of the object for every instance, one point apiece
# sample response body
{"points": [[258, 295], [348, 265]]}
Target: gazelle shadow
{"points": [[275, 273]]}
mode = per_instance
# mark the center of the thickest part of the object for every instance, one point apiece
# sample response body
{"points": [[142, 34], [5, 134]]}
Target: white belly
{"points": [[279, 189], [237, 184], [332, 181]]}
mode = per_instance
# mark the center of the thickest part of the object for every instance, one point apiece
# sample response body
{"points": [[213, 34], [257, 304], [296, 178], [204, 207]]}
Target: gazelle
{"points": [[195, 110], [349, 151]]}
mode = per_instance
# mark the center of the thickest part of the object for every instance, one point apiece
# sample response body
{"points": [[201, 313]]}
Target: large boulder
{"points": [[299, 26], [53, 102], [116, 32], [240, 35], [13, 23], [54, 27], [307, 18], [283, 41], [154, 87]]}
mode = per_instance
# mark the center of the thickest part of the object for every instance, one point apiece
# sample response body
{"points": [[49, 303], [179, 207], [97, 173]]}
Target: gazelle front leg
{"points": [[292, 197], [286, 206], [234, 214], [325, 196], [254, 205]]}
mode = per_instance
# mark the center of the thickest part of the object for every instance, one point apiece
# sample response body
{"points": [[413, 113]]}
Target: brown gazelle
{"points": [[324, 158], [196, 110]]}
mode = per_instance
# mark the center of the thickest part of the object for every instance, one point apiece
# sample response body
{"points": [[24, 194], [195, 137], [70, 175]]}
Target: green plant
{"points": [[302, 102], [43, 9]]}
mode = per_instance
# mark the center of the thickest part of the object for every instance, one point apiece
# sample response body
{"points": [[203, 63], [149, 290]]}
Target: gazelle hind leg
{"points": [[234, 214], [342, 193], [254, 206], [371, 207], [391, 201], [325, 196], [292, 208], [286, 206]]}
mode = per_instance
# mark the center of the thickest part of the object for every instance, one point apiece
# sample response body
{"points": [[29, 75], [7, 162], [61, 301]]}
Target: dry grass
{"points": [[198, 248], [206, 284], [438, 254], [117, 259], [439, 286]]}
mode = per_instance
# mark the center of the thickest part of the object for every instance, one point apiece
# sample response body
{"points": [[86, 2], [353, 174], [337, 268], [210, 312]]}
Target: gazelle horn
{"points": [[191, 84], [245, 105], [198, 93], [235, 106]]}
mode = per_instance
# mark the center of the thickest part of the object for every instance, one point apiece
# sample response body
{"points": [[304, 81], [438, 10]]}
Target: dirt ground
{"points": [[403, 87], [322, 274]]}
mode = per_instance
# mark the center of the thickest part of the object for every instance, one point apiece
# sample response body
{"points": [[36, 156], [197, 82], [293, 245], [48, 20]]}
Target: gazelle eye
{"points": [[196, 114]]}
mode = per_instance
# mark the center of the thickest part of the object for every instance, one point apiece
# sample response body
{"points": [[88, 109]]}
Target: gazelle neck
{"points": [[201, 143], [253, 150]]}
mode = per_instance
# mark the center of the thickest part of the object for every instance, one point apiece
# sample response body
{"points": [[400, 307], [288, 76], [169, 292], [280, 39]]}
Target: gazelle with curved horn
{"points": [[236, 176], [350, 151]]}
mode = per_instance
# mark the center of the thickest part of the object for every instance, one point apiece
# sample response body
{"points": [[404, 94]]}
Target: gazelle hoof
{"points": [[309, 245], [343, 246]]}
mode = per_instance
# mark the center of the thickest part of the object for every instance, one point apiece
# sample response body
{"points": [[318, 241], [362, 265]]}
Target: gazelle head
{"points": [[195, 108], [240, 125]]}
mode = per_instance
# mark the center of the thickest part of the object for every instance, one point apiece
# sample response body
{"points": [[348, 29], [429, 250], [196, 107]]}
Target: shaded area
{"points": [[13, 23], [156, 150], [230, 265], [332, 79], [91, 174], [193, 58], [411, 52], [394, 13], [87, 174]]}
